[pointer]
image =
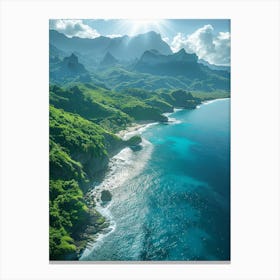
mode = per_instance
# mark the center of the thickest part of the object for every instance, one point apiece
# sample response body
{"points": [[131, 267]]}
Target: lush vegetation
{"points": [[134, 140], [68, 216], [90, 103], [82, 119], [79, 150], [119, 78], [86, 110]]}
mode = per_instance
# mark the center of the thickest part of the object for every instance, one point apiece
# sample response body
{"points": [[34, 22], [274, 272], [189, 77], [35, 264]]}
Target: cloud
{"points": [[165, 39], [213, 48], [114, 35], [179, 42], [73, 27]]}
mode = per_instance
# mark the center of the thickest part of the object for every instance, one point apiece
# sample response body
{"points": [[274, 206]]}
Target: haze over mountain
{"points": [[180, 63], [108, 60], [213, 66], [122, 48], [143, 61], [68, 70]]}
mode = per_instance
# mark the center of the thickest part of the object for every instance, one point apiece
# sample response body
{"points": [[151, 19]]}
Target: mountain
{"points": [[67, 70], [108, 60], [55, 53], [122, 48], [154, 57], [180, 63], [128, 48], [213, 66], [185, 68]]}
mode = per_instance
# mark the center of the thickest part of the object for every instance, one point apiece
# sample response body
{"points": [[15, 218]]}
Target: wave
{"points": [[212, 101], [122, 167], [138, 130], [173, 120]]}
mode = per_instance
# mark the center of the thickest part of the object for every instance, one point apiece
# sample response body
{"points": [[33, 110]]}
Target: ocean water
{"points": [[171, 198]]}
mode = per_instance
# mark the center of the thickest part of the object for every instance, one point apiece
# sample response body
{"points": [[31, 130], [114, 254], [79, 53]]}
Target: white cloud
{"points": [[213, 48], [179, 42], [73, 27], [165, 39], [114, 35]]}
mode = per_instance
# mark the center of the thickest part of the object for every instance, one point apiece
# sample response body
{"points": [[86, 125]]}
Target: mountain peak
{"points": [[150, 34], [108, 60], [71, 60], [73, 57], [153, 33], [180, 63], [182, 51], [71, 63], [124, 48], [184, 56]]}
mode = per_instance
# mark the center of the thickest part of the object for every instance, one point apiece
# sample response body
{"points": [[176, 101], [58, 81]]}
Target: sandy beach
{"points": [[131, 130]]}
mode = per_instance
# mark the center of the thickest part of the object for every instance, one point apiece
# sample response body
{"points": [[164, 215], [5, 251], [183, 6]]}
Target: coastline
{"points": [[134, 127], [213, 100], [93, 195], [138, 126]]}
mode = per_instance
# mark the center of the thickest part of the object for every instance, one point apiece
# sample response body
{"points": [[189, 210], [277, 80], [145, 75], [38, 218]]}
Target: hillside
{"points": [[79, 151]]}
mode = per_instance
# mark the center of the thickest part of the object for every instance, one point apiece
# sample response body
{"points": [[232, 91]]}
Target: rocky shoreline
{"points": [[97, 223]]}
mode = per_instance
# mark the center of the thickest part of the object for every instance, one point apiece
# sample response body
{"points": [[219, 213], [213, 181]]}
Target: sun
{"points": [[142, 23], [136, 26]]}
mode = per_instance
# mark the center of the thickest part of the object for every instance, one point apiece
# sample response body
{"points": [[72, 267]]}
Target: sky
{"points": [[208, 38]]}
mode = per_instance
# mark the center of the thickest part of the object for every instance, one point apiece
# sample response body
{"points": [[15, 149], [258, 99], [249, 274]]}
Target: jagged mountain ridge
{"points": [[213, 66], [122, 48], [67, 70], [180, 63]]}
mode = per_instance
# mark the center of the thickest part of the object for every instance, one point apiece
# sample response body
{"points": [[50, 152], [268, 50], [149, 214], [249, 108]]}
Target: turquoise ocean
{"points": [[171, 196]]}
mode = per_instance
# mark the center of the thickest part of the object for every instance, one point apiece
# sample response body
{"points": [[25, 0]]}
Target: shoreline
{"points": [[133, 128], [125, 134], [136, 126], [121, 167], [209, 101]]}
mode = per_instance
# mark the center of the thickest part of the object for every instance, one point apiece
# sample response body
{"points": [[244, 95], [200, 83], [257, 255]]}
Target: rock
{"points": [[134, 140], [106, 196]]}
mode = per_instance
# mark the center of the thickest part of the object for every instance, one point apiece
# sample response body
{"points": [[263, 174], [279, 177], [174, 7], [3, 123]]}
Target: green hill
{"points": [[79, 151]]}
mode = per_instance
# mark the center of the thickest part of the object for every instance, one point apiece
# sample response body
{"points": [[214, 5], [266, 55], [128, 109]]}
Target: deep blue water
{"points": [[171, 199]]}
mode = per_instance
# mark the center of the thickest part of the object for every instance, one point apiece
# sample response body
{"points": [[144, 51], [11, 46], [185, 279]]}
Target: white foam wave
{"points": [[212, 101], [126, 164], [123, 166], [142, 129], [178, 109], [168, 114], [105, 212], [173, 121], [137, 131]]}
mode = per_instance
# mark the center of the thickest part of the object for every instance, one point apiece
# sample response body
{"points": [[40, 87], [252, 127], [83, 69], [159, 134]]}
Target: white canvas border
{"points": [[255, 138]]}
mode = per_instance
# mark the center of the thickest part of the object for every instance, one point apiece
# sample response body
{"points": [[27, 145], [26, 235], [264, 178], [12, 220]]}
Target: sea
{"points": [[171, 195]]}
